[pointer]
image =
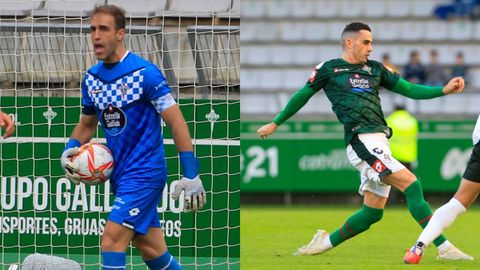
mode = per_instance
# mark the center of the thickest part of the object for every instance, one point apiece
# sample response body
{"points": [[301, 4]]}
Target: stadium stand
{"points": [[281, 40], [16, 9], [66, 18]]}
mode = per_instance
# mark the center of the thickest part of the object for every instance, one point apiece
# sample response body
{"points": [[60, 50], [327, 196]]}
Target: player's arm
{"points": [[190, 183], [6, 124], [85, 129], [158, 92], [173, 117], [419, 91], [296, 102]]}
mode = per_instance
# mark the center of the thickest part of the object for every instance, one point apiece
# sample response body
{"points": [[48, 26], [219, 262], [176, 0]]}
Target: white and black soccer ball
{"points": [[94, 162]]}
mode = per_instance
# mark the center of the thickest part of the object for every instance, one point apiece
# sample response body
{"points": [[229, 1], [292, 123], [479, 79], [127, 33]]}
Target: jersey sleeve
{"points": [[389, 78], [154, 84], [318, 77], [88, 107]]}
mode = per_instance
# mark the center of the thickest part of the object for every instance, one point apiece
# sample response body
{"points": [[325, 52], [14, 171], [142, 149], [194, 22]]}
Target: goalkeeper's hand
{"points": [[67, 165], [195, 197]]}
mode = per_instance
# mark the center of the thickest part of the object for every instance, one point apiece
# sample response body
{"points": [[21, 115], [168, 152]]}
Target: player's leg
{"points": [[444, 216], [154, 251], [375, 197], [131, 215], [407, 182], [370, 213], [115, 240], [374, 150]]}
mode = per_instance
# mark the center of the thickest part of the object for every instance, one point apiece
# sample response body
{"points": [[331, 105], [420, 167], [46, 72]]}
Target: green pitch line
{"points": [[91, 262], [269, 236]]}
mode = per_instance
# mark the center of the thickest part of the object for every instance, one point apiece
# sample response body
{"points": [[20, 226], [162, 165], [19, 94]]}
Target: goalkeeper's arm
{"points": [[298, 100], [190, 183]]}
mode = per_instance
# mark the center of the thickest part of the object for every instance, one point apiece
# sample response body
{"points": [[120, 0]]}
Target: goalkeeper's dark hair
{"points": [[118, 14], [354, 27]]}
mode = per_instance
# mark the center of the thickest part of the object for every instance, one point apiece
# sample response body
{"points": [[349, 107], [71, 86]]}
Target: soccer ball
{"points": [[94, 162]]}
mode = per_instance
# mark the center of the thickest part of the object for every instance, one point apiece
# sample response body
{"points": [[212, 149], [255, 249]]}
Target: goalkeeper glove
{"points": [[195, 197], [71, 149]]}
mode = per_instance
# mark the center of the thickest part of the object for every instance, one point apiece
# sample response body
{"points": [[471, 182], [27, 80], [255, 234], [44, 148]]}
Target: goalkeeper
{"points": [[130, 96], [352, 85]]}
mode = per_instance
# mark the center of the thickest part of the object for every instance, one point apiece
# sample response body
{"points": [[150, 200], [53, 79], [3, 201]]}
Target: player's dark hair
{"points": [[355, 27], [117, 12]]}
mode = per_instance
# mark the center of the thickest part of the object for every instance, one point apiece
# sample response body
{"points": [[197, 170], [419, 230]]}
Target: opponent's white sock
{"points": [[441, 219]]}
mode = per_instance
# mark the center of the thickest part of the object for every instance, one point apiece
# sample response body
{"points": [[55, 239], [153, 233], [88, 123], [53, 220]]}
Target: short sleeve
{"points": [[389, 78], [88, 107], [318, 77], [154, 83]]}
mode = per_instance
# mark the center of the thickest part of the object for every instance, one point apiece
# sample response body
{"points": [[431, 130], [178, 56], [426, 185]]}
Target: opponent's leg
{"points": [[154, 251], [442, 218]]}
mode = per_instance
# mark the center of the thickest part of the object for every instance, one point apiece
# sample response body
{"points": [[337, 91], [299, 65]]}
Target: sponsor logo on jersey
{"points": [[378, 166], [114, 120], [160, 85], [360, 84], [340, 69]]}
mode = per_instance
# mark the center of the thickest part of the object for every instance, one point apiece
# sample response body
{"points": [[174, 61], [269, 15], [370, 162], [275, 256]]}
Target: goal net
{"points": [[45, 50]]}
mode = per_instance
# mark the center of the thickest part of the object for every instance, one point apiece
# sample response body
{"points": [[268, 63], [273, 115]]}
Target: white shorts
{"points": [[370, 154]]}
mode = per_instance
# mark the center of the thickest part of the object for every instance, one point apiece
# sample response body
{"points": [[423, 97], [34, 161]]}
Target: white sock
{"points": [[441, 219], [326, 244]]}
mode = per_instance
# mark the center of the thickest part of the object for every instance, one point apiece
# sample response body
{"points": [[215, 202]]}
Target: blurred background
{"points": [[426, 41]]}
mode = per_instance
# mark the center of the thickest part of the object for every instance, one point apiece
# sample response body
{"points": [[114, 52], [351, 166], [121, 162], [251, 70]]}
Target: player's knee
{"points": [[375, 217], [372, 216], [148, 251], [110, 243]]}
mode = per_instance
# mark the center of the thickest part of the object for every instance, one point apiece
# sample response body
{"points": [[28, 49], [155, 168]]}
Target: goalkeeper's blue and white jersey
{"points": [[127, 98]]}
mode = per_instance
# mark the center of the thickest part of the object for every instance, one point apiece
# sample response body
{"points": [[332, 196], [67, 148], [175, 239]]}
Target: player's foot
{"points": [[453, 253], [414, 255], [315, 246]]}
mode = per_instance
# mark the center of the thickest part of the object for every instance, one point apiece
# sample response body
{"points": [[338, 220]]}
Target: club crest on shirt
{"points": [[123, 89], [367, 69], [114, 120]]}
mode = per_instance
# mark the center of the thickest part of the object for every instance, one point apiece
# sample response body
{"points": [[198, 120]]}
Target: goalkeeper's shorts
{"points": [[137, 210], [472, 172], [370, 154]]}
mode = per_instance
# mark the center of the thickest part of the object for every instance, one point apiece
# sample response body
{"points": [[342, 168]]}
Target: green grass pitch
{"points": [[270, 234]]}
